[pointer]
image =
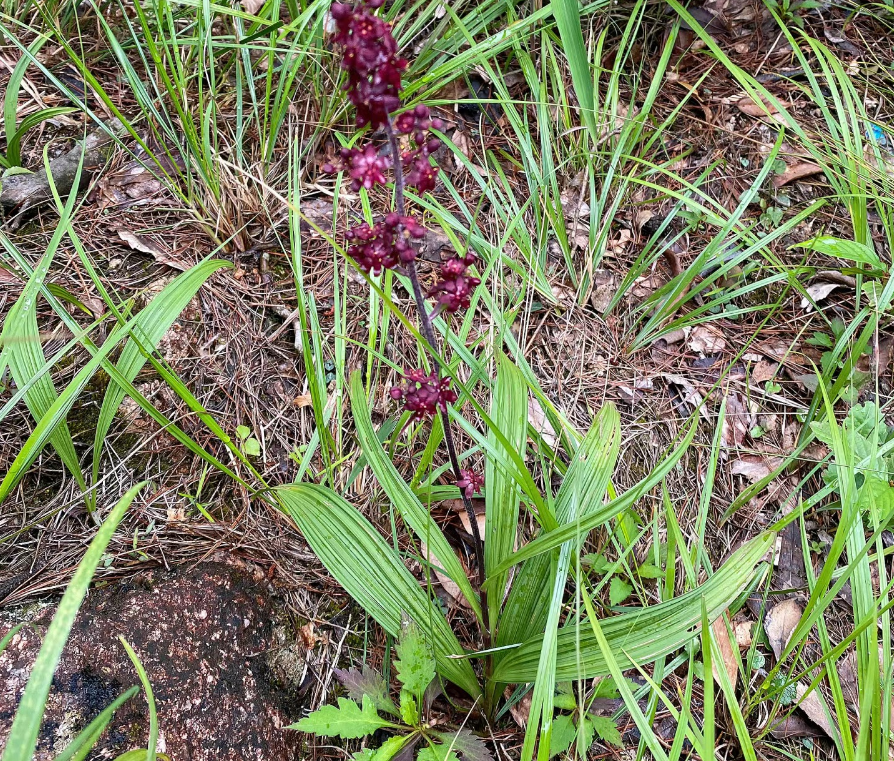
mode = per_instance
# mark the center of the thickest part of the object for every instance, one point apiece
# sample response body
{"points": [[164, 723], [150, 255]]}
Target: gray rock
{"points": [[202, 635]]}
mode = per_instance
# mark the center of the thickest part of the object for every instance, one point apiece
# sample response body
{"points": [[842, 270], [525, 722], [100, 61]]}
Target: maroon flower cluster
{"points": [[454, 288], [385, 244], [364, 166], [371, 60], [471, 483], [420, 173], [424, 394], [374, 87]]}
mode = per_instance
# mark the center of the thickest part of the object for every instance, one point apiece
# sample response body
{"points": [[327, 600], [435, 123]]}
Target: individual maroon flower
{"points": [[384, 245], [424, 394], [371, 60], [471, 483], [420, 173], [417, 121], [453, 290], [365, 167]]}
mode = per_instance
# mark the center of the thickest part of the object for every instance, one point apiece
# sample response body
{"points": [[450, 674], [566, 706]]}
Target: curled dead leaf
{"points": [[817, 292], [738, 421], [753, 467], [750, 108], [727, 653], [779, 624], [308, 636], [796, 172], [146, 245], [706, 339]]}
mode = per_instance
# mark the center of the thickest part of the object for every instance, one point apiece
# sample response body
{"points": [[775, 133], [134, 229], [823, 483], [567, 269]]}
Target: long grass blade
{"points": [[22, 738]]}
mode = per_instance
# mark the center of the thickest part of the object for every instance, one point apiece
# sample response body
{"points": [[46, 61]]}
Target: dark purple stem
{"points": [[429, 333]]}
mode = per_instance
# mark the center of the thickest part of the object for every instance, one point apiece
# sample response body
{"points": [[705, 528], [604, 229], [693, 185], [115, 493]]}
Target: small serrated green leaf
{"points": [[408, 709], [586, 730], [243, 431], [252, 447], [415, 663], [347, 721], [563, 735], [823, 340], [618, 591], [390, 748], [649, 571], [606, 729]]}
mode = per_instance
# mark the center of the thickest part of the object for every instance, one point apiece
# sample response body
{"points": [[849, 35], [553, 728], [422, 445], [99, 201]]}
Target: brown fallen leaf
{"points": [[706, 339], [727, 652], [789, 573], [478, 506], [674, 337], [520, 711], [779, 624], [448, 584], [743, 632], [540, 423], [688, 392], [308, 636], [748, 107], [252, 6], [603, 290], [753, 467], [812, 705], [564, 296], [146, 245], [794, 726], [738, 421], [796, 172], [817, 292], [763, 371], [847, 673], [303, 400]]}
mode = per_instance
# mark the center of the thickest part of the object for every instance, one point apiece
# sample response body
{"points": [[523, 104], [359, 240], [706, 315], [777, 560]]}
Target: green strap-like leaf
{"points": [[643, 634], [599, 514], [23, 735], [148, 328], [21, 343], [582, 491], [372, 573], [588, 476], [404, 499], [509, 411]]}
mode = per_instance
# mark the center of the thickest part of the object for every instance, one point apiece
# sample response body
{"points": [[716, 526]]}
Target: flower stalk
{"points": [[374, 86]]}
